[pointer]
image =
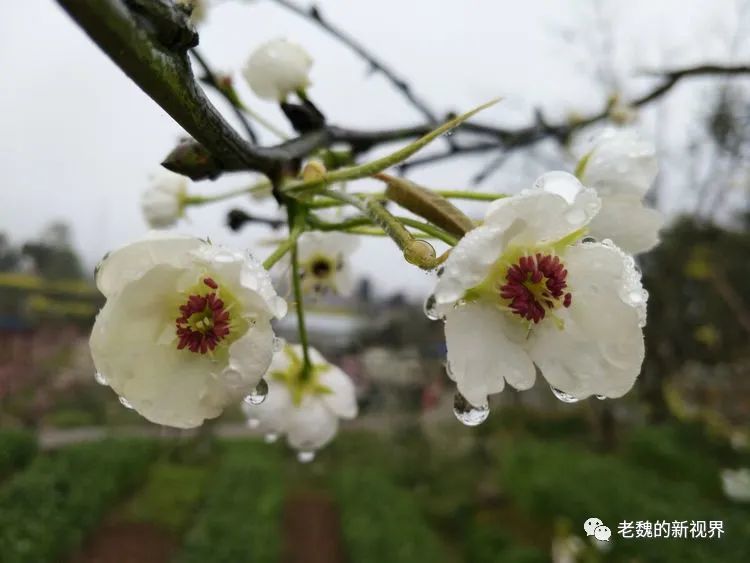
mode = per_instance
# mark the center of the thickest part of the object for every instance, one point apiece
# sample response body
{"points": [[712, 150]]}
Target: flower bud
{"points": [[164, 202], [278, 68]]}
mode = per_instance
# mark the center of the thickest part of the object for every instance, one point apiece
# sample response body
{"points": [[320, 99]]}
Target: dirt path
{"points": [[128, 542], [311, 529]]}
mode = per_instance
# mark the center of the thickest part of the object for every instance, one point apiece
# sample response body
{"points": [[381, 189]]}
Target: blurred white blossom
{"points": [[324, 259], [164, 202], [736, 484], [186, 328], [522, 291], [278, 68], [621, 167], [305, 409]]}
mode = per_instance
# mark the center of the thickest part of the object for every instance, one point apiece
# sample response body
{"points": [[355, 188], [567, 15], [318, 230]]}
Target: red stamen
{"points": [[544, 271], [212, 318]]}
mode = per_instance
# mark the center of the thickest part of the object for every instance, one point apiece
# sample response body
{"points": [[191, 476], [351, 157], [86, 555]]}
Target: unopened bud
{"points": [[419, 252], [314, 171]]}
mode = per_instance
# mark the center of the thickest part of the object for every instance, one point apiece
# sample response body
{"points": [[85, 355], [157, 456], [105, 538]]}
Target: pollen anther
{"points": [[534, 285]]}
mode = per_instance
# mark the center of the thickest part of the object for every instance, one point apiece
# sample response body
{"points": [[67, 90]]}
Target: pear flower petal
{"points": [[521, 292], [622, 167], [308, 410], [736, 484], [164, 202], [325, 262], [185, 330], [278, 68]]}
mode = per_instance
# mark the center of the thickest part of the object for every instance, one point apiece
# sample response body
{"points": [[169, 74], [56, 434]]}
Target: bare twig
{"points": [[214, 81], [313, 14]]}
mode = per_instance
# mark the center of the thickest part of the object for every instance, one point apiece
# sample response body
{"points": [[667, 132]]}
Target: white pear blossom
{"points": [[305, 409], [164, 202], [736, 484], [621, 167], [186, 328], [325, 264], [278, 68], [523, 291]]}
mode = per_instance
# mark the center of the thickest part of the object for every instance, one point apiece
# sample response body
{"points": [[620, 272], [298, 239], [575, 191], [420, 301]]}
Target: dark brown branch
{"points": [[226, 90], [148, 40]]}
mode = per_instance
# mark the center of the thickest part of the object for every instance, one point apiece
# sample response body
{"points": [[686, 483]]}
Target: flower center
{"points": [[534, 285], [204, 320], [321, 267]]}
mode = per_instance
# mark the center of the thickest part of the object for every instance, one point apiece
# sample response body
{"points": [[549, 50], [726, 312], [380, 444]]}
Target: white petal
{"points": [[484, 350], [621, 163], [600, 349], [342, 400], [468, 264], [246, 277], [329, 244], [344, 281], [538, 216], [277, 68], [626, 221], [311, 425], [128, 345], [133, 260], [250, 356], [272, 414]]}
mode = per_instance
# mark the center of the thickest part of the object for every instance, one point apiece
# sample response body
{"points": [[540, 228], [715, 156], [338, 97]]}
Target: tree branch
{"points": [[148, 40], [214, 81]]}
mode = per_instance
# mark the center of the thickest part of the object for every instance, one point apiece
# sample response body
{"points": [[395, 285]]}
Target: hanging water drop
{"points": [[430, 308], [271, 437], [469, 414], [100, 379], [588, 240], [258, 394], [563, 396], [600, 397], [305, 456], [125, 403]]}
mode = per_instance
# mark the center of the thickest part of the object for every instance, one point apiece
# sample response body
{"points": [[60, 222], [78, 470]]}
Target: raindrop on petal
{"points": [[258, 394], [430, 308], [100, 379], [469, 414], [305, 456], [125, 403], [600, 397], [588, 240], [563, 396]]}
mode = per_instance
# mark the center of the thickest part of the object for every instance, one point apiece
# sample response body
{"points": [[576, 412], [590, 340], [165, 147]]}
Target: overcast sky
{"points": [[79, 140]]}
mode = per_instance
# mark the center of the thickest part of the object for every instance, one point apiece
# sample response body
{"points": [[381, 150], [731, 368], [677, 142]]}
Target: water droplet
{"points": [[100, 379], [561, 183], [600, 397], [440, 271], [588, 240], [430, 308], [563, 396], [271, 437], [253, 423], [278, 344], [258, 394], [636, 297], [125, 403], [449, 370], [575, 216], [305, 456], [469, 414]]}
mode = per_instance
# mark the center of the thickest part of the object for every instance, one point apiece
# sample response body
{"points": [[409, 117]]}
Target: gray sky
{"points": [[79, 140]]}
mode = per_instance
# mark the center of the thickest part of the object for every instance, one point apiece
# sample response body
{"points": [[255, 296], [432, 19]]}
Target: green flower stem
{"points": [[262, 121], [254, 189], [326, 202], [380, 164], [436, 232], [296, 226], [280, 251]]}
